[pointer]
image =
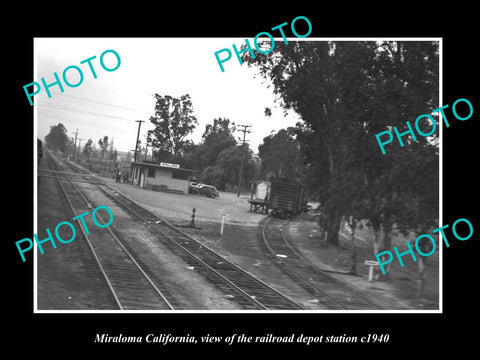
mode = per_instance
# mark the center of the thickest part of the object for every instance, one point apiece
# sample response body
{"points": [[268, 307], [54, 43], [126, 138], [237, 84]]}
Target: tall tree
{"points": [[57, 138], [308, 78], [69, 149], [346, 92], [173, 121], [103, 143], [224, 174], [112, 152], [88, 149], [280, 155], [216, 137]]}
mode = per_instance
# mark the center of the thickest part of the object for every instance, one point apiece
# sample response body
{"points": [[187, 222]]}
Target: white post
{"points": [[370, 274], [371, 264], [223, 220]]}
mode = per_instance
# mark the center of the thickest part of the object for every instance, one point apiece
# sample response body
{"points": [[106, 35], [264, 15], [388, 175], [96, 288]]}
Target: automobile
{"points": [[208, 190], [204, 189], [193, 187]]}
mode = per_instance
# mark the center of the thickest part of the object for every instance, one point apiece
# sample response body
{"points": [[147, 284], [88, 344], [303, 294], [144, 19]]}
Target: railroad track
{"points": [[331, 292], [128, 281], [243, 287]]}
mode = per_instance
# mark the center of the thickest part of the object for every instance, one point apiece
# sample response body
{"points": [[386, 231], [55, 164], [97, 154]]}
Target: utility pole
{"points": [[75, 145], [136, 143], [79, 144], [135, 154], [245, 131]]}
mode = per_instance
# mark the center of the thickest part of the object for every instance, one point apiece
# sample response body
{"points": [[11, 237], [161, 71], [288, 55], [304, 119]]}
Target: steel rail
{"points": [[300, 268], [293, 273], [242, 287], [346, 286], [180, 237], [114, 236]]}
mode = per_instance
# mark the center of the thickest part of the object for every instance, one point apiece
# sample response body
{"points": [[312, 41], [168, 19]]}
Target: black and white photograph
{"points": [[261, 187]]}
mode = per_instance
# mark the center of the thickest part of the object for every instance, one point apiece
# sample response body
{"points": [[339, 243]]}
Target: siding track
{"points": [[238, 284]]}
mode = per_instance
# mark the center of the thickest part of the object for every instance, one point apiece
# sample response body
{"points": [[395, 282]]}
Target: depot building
{"points": [[161, 177]]}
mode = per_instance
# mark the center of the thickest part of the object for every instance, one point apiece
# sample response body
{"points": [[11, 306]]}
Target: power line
{"points": [[81, 111], [86, 121], [90, 123], [96, 102], [95, 128]]}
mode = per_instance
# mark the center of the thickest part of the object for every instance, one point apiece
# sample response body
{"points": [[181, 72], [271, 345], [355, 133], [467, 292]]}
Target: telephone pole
{"points": [[75, 145], [245, 131], [136, 143], [79, 145]]}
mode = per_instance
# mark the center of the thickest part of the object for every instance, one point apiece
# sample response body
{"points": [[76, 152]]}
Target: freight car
{"points": [[287, 197]]}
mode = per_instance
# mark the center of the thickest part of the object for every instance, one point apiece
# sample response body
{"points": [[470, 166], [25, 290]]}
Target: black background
{"points": [[70, 334]]}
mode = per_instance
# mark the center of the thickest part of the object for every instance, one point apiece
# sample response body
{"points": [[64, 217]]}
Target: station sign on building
{"points": [[173, 166]]}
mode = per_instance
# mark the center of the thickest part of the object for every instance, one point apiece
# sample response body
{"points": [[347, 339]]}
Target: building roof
{"points": [[268, 182], [162, 166]]}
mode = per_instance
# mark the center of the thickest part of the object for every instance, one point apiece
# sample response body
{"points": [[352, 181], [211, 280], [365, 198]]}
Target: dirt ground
{"points": [[69, 279], [239, 244], [66, 282], [399, 291], [179, 206]]}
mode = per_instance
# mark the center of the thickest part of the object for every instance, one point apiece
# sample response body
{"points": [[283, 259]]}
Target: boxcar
{"points": [[286, 197]]}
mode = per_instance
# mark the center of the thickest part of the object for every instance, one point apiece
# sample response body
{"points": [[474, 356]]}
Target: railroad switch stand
{"points": [[192, 222]]}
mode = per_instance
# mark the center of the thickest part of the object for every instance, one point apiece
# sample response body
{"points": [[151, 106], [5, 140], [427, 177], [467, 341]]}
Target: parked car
{"points": [[208, 190], [193, 187], [204, 189]]}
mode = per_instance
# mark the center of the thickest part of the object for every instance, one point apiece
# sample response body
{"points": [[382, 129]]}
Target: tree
{"points": [[173, 121], [192, 157], [69, 148], [218, 157], [216, 137], [112, 152], [345, 93], [103, 143], [280, 155], [88, 149], [57, 138], [128, 157], [309, 78], [141, 151], [403, 185], [224, 174]]}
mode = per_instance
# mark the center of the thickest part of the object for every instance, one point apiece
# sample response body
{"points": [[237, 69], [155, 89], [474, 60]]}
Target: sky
{"points": [[110, 104]]}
